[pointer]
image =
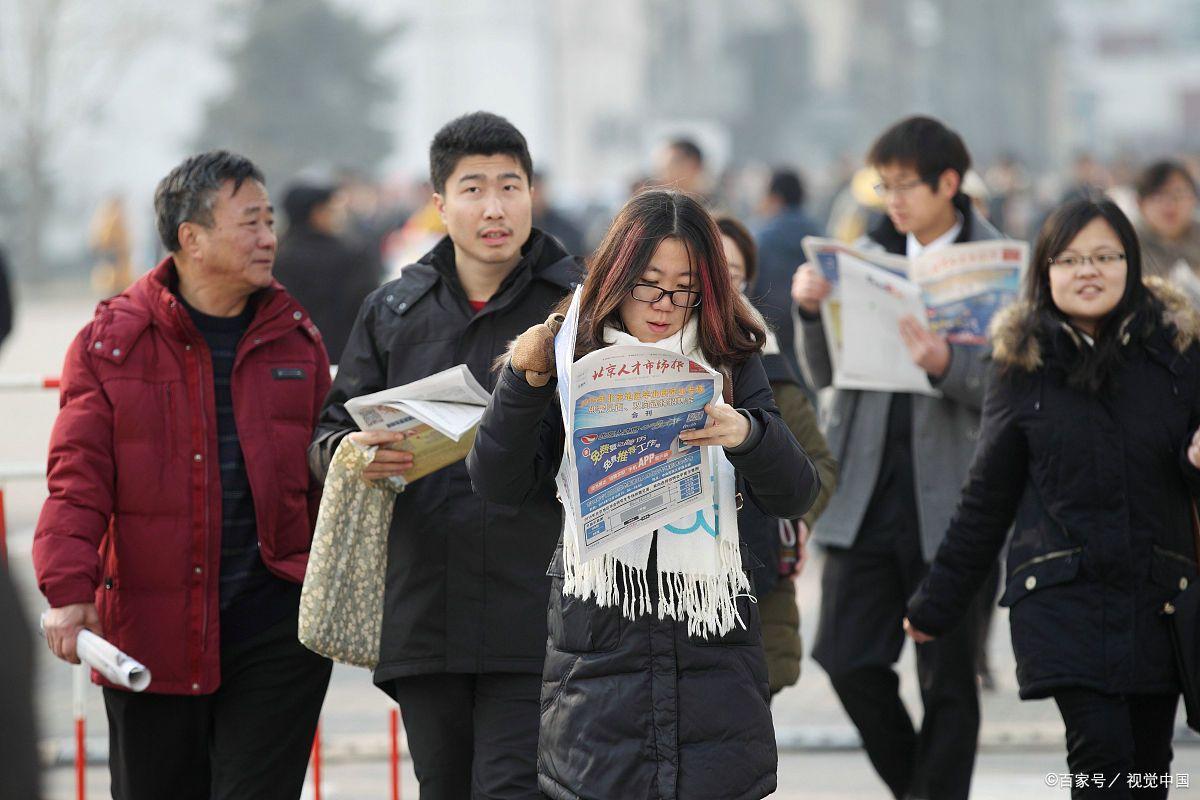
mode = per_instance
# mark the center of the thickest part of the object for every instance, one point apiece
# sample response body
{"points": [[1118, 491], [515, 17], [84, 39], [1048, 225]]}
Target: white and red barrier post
{"points": [[394, 752]]}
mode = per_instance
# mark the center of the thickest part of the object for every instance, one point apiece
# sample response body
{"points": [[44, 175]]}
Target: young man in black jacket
{"points": [[464, 620]]}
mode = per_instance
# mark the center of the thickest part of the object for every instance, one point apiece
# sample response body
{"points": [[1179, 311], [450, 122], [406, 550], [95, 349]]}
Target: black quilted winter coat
{"points": [[640, 709], [466, 578], [1098, 489]]}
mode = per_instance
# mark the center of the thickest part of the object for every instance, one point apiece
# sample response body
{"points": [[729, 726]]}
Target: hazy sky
{"points": [[153, 107]]}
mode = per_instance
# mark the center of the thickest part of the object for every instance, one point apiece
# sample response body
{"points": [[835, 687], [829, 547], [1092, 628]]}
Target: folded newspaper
{"points": [[103, 656], [440, 413], [953, 291], [627, 472]]}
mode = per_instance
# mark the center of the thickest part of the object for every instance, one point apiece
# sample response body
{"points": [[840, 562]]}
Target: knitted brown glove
{"points": [[533, 351]]}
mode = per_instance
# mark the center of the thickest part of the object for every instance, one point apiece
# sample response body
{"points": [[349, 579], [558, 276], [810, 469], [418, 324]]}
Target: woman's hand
{"points": [[389, 458], [533, 351], [726, 427], [1193, 452], [920, 637]]}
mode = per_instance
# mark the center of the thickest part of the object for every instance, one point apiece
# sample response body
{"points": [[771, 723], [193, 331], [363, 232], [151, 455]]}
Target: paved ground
{"points": [[1003, 775], [1022, 742]]}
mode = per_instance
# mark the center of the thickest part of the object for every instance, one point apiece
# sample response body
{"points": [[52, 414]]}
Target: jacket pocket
{"points": [[285, 390], [1041, 572], [1172, 571], [576, 625], [106, 605]]}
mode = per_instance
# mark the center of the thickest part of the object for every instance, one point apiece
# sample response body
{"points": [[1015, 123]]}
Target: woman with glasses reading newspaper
{"points": [[642, 697]]}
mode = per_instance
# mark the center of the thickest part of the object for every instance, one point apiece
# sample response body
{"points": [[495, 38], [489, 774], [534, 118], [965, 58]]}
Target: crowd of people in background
{"points": [[391, 220], [836, 200], [383, 224]]}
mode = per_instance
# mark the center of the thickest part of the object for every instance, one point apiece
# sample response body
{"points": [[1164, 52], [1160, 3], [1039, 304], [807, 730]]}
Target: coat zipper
{"points": [[195, 348], [1047, 557], [207, 490], [207, 501]]}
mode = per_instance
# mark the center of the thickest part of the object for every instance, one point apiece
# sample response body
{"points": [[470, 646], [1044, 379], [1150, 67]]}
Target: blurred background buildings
{"points": [[102, 97]]}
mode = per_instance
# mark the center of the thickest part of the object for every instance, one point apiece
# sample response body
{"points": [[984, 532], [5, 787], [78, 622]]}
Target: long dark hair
{"points": [[741, 236], [728, 331], [1132, 313]]}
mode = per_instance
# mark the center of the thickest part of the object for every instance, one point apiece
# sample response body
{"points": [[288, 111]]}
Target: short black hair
{"points": [[300, 200], [478, 134], [787, 185], [689, 148], [925, 145], [188, 192], [1155, 177]]}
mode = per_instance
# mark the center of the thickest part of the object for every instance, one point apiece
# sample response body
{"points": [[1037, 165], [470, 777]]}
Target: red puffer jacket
{"points": [[134, 514]]}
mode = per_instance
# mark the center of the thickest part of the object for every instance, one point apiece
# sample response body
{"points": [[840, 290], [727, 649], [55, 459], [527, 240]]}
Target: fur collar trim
{"points": [[1015, 343]]}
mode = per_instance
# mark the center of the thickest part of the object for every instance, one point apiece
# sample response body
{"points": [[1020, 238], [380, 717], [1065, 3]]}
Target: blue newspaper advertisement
{"points": [[963, 286], [628, 472]]}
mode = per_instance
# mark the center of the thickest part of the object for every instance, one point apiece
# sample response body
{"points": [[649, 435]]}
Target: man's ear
{"points": [[949, 183], [189, 234], [439, 203]]}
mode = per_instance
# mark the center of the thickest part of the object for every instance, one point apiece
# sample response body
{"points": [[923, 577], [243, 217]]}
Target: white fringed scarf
{"points": [[700, 571]]}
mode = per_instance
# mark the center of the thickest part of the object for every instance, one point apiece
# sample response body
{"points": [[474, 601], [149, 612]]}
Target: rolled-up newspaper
{"points": [[102, 656]]}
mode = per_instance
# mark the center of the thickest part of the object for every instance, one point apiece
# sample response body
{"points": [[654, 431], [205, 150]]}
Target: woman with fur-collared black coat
{"points": [[1088, 446]]}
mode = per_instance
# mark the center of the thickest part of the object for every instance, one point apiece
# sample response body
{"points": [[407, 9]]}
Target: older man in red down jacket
{"points": [[181, 506]]}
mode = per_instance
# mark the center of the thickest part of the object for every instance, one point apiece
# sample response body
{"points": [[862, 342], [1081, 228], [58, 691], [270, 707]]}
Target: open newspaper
{"points": [[953, 291], [625, 471], [440, 413]]}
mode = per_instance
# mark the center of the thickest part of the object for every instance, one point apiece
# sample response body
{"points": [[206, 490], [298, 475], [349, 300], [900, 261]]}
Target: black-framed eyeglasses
{"points": [[1071, 261], [680, 298]]}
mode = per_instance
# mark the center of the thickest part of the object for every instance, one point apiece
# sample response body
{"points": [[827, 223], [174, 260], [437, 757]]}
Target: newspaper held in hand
{"points": [[440, 414], [964, 285], [874, 301], [626, 473], [102, 656], [954, 291]]}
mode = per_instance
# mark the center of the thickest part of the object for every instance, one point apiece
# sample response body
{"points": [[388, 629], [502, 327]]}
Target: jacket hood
{"points": [[1014, 329]]}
